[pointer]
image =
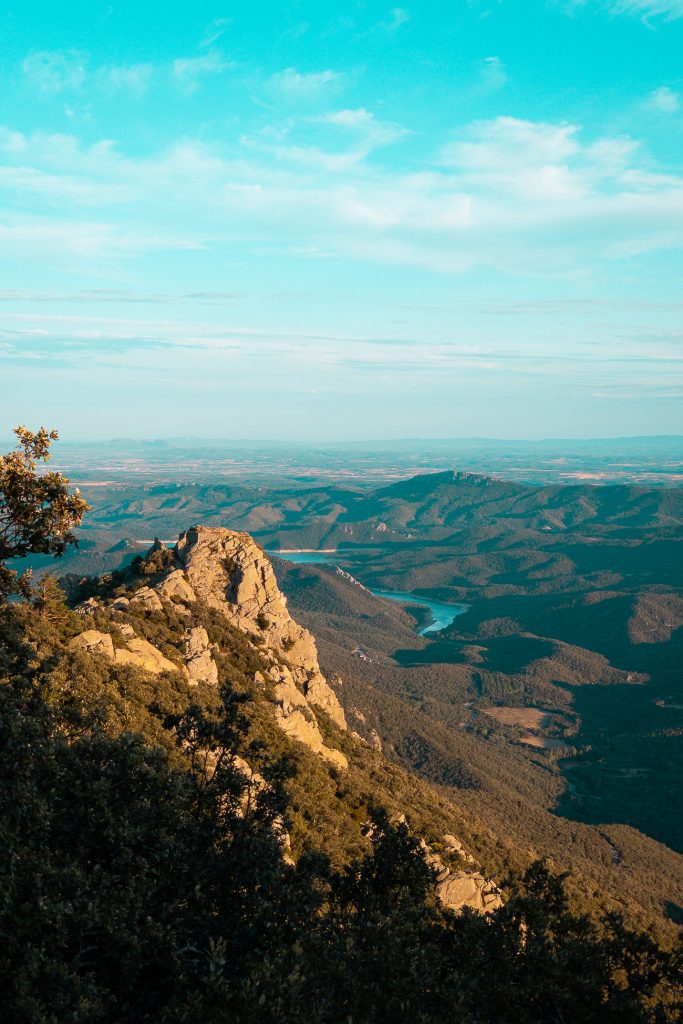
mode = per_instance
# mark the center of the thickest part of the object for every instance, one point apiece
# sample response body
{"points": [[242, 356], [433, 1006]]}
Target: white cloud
{"points": [[55, 71], [134, 78], [304, 86], [664, 100], [364, 123], [493, 74], [214, 30], [516, 195], [188, 71], [398, 16], [669, 10]]}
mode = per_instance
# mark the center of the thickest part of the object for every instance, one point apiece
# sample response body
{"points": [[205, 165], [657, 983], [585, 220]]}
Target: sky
{"points": [[327, 221]]}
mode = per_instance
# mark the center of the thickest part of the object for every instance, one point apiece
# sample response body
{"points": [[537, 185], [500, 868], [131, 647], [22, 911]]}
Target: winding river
{"points": [[442, 614]]}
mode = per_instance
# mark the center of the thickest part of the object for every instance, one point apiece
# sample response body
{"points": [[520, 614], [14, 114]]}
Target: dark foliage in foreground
{"points": [[139, 888]]}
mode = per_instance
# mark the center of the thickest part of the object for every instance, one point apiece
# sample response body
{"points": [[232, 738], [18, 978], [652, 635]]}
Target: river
{"points": [[442, 614]]}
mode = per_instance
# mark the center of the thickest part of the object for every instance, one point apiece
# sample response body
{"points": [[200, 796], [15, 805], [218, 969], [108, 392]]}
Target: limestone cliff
{"points": [[227, 571]]}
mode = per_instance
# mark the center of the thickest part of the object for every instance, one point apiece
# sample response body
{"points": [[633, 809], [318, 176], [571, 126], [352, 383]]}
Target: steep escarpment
{"points": [[228, 571], [168, 617]]}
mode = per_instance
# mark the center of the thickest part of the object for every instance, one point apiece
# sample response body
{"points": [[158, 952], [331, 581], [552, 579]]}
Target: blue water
{"points": [[442, 614], [306, 557]]}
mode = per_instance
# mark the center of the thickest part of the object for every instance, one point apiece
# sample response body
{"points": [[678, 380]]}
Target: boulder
{"points": [[135, 651], [147, 599], [95, 642], [469, 889], [200, 664], [175, 587], [460, 890], [144, 655]]}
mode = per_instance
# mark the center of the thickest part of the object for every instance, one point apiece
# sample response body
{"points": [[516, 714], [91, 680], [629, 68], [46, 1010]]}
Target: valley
{"points": [[441, 615], [518, 647]]}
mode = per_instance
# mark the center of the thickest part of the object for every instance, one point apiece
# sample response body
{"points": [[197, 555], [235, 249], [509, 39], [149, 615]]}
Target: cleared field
{"points": [[543, 742], [527, 718]]}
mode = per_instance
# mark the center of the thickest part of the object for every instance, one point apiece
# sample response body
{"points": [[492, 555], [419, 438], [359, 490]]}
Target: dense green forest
{"points": [[142, 881]]}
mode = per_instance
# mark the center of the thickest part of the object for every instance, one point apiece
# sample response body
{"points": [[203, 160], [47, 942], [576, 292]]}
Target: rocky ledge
{"points": [[228, 571]]}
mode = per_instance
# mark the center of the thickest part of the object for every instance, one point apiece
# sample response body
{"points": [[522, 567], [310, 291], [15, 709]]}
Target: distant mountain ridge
{"points": [[431, 505]]}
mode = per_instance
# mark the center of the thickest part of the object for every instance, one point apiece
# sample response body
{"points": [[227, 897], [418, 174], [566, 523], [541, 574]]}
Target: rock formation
{"points": [[228, 571], [133, 651], [199, 661]]}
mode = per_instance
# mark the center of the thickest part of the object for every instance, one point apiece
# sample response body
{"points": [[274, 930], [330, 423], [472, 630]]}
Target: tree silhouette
{"points": [[37, 510]]}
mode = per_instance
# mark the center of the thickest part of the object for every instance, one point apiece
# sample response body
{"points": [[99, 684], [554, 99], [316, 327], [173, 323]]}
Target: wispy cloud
{"points": [[362, 122], [116, 296], [505, 193], [304, 86], [62, 73], [398, 17], [55, 71], [664, 100], [311, 355], [188, 72], [669, 10], [134, 78], [493, 75], [214, 31]]}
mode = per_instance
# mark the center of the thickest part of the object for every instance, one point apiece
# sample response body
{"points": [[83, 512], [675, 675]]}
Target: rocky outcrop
{"points": [[229, 572], [144, 655], [294, 716], [94, 642], [458, 888], [146, 598], [462, 889], [199, 661], [320, 693], [175, 587], [133, 651]]}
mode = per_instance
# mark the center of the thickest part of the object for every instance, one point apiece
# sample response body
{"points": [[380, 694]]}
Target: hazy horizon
{"points": [[334, 442]]}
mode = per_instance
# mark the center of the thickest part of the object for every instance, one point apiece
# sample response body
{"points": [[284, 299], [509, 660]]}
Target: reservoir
{"points": [[442, 614]]}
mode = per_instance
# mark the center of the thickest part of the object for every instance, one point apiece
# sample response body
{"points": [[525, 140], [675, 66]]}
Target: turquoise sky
{"points": [[342, 220]]}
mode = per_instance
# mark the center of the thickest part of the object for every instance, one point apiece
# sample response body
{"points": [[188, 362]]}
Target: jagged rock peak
{"points": [[228, 571]]}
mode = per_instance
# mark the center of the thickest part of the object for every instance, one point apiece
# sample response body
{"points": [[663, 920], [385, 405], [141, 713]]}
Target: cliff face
{"points": [[227, 571]]}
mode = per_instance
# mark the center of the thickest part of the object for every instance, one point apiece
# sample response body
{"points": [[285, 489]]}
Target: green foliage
{"points": [[142, 876], [37, 511], [155, 561]]}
